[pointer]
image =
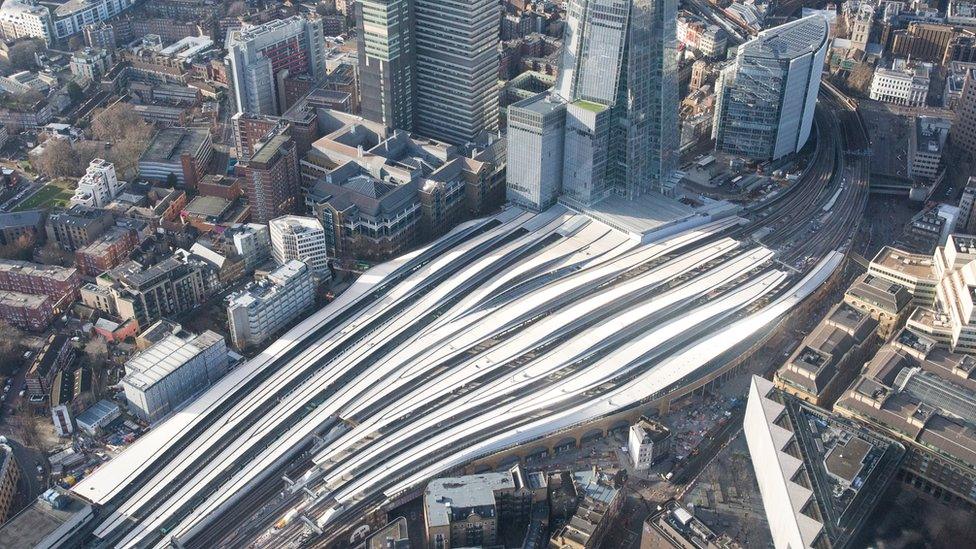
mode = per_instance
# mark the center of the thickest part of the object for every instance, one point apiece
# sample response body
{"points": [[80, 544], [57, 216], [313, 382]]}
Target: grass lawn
{"points": [[52, 195]]}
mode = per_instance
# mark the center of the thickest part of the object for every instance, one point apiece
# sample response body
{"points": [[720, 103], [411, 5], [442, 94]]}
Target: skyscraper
{"points": [[386, 62], [261, 57], [620, 55], [618, 87], [766, 98], [456, 68], [536, 133], [430, 66]]}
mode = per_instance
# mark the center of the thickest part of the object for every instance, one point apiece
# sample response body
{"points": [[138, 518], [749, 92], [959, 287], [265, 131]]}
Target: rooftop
{"points": [[149, 367], [444, 496], [170, 143], [26, 268], [50, 517], [17, 299], [207, 207], [916, 266], [790, 40], [97, 413], [922, 392], [21, 219], [831, 472], [295, 224], [879, 292]]}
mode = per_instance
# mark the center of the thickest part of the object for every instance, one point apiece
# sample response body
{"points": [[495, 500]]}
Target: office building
{"points": [[619, 74], [926, 144], [966, 222], [299, 238], [820, 476], [162, 377], [536, 137], [252, 241], [180, 153], [765, 99], [467, 511], [887, 302], [271, 179], [9, 477], [648, 442], [261, 57], [387, 58], [916, 272], [828, 359], [99, 186], [377, 194], [964, 126], [916, 391], [923, 41], [904, 83], [267, 306], [951, 319], [676, 527], [456, 68], [78, 226]]}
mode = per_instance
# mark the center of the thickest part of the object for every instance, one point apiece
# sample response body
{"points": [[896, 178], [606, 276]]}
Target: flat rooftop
{"points": [[445, 496], [40, 524], [917, 266], [170, 143]]}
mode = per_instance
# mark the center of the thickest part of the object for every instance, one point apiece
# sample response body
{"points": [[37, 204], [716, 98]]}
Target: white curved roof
{"points": [[505, 330]]}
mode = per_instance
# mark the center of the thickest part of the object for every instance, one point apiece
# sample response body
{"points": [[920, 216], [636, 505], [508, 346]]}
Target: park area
{"points": [[52, 195]]}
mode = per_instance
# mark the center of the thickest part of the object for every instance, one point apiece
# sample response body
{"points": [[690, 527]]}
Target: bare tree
{"points": [[11, 344], [128, 133], [235, 8], [21, 54], [52, 254], [21, 248], [59, 159], [96, 357]]}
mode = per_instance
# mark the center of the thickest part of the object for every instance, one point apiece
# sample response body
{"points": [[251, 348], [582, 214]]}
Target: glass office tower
{"points": [[766, 99], [619, 56]]}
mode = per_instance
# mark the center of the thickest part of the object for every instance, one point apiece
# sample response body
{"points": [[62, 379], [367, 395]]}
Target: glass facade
{"points": [[621, 55], [766, 99]]}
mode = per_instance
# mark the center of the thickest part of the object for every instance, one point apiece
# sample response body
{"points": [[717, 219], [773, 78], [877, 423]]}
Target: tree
{"points": [[128, 133], [76, 42], [22, 248], [11, 347], [75, 92], [58, 159], [52, 254], [21, 54], [96, 357], [235, 8]]}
